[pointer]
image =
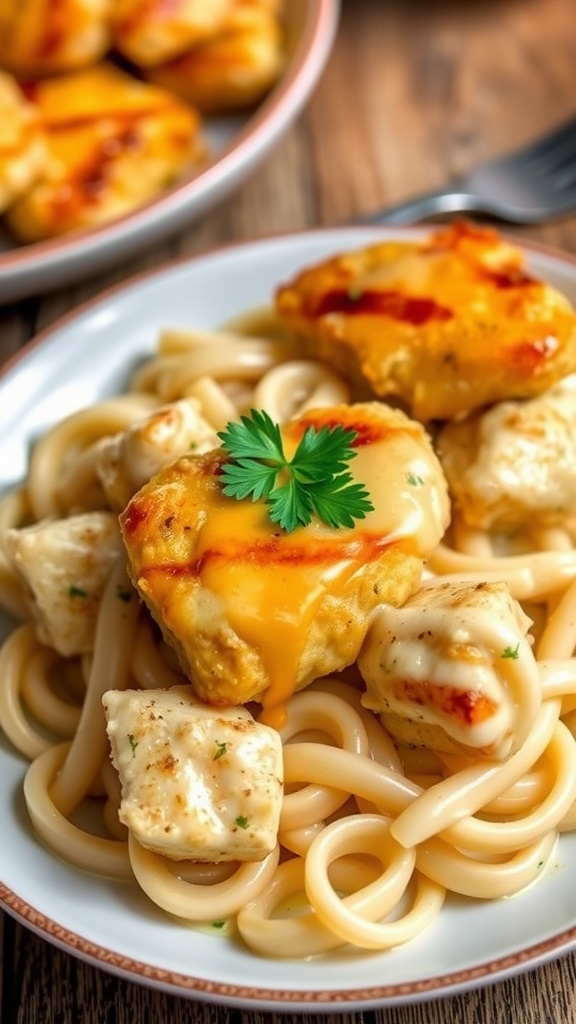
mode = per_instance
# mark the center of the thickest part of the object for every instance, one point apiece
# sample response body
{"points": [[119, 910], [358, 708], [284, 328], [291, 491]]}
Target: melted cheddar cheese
{"points": [[254, 612], [445, 324]]}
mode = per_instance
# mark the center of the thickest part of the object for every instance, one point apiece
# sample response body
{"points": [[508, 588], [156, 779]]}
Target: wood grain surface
{"points": [[415, 93]]}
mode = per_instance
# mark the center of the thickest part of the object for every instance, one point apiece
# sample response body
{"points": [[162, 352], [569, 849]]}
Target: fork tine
{"points": [[564, 160], [561, 138], [563, 178]]}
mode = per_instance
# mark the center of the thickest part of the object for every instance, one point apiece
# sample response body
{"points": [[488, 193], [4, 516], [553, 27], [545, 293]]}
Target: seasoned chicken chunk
{"points": [[113, 143], [197, 783], [64, 564], [22, 144], [235, 69], [256, 612], [128, 460], [446, 324], [40, 37], [149, 32], [515, 464], [453, 669]]}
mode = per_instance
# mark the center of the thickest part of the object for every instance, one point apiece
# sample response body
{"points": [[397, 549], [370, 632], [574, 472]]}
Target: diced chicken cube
{"points": [[515, 464], [198, 783], [453, 669], [127, 461], [65, 564]]}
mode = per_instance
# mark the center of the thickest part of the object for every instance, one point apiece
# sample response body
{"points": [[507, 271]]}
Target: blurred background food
{"points": [[102, 102]]}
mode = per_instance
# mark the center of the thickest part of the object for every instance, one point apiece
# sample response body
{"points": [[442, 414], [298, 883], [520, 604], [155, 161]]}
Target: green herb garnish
{"points": [[414, 480], [511, 652], [75, 591], [221, 748], [241, 821], [133, 743], [316, 481]]}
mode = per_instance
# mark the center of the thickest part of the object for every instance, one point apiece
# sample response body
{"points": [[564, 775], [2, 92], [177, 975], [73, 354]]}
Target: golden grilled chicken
{"points": [[445, 325], [233, 70], [22, 144], [113, 143], [254, 612], [150, 32], [453, 669], [40, 37]]}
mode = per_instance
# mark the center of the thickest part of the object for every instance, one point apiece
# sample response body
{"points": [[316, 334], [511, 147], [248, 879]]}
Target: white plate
{"points": [[238, 144], [85, 357]]}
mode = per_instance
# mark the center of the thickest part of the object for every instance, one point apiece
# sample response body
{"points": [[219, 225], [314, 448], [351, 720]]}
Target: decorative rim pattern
{"points": [[218, 992]]}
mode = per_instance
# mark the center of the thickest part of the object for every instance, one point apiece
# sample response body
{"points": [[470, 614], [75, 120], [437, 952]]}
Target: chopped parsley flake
{"points": [[511, 652], [218, 924], [241, 821], [414, 480], [221, 749], [76, 591], [133, 743]]}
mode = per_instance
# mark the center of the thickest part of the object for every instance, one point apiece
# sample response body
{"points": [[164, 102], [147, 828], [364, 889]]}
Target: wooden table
{"points": [[416, 91]]}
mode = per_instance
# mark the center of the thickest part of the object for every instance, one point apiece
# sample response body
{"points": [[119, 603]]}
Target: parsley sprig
{"points": [[316, 481]]}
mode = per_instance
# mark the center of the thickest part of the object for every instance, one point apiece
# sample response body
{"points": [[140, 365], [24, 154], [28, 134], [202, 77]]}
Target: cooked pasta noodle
{"points": [[374, 834]]}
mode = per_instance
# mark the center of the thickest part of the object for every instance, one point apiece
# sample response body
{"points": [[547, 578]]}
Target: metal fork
{"points": [[529, 186]]}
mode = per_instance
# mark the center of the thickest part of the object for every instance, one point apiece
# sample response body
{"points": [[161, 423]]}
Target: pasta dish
{"points": [[308, 717]]}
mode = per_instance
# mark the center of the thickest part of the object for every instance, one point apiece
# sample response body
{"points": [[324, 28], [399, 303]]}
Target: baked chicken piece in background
{"points": [[444, 325], [113, 143], [256, 612], [22, 144], [513, 466], [85, 141], [453, 669], [149, 32], [39, 37], [233, 70]]}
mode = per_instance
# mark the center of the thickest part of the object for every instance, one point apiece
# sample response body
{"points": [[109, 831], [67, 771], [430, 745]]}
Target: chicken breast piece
{"points": [[446, 324], [22, 143], [515, 464], [453, 669], [113, 143], [256, 612], [65, 564], [150, 32], [197, 784], [39, 37], [233, 70], [128, 460]]}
